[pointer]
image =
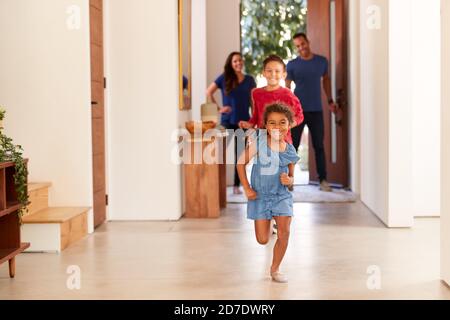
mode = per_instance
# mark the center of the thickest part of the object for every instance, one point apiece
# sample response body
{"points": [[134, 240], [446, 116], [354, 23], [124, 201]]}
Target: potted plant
{"points": [[9, 152]]}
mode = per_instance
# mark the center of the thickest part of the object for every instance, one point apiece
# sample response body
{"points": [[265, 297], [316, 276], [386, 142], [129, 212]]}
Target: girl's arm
{"points": [[243, 161], [288, 84], [254, 120], [291, 168], [298, 111], [288, 179]]}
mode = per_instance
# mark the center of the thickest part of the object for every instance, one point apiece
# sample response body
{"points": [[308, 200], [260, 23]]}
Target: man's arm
{"points": [[326, 82]]}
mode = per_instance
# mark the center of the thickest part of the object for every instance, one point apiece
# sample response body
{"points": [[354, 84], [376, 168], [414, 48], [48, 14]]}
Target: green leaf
{"points": [[267, 28], [14, 153]]}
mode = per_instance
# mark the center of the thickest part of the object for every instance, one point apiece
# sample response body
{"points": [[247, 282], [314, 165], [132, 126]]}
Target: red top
{"points": [[261, 98]]}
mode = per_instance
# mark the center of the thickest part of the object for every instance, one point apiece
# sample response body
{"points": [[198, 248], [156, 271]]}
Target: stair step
{"points": [[54, 229], [34, 186], [38, 196], [55, 215]]}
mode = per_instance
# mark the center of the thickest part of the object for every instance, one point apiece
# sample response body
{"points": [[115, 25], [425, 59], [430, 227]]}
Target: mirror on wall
{"points": [[184, 53]]}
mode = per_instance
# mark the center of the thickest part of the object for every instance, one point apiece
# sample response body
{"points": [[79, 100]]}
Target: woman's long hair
{"points": [[231, 79]]}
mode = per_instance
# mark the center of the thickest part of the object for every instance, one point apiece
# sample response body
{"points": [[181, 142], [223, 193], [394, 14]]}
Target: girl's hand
{"points": [[286, 180], [251, 194], [245, 125], [225, 109]]}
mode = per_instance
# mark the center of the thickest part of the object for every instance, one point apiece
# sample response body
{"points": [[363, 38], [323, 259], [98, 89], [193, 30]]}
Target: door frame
{"points": [[338, 172], [352, 147], [98, 114]]}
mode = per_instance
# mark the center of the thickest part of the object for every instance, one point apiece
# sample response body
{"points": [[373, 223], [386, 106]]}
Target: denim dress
{"points": [[273, 199]]}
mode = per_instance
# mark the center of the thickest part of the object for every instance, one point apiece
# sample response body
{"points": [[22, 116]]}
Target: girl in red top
{"points": [[274, 71]]}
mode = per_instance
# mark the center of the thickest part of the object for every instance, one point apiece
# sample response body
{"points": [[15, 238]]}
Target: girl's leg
{"points": [[283, 226], [262, 231]]}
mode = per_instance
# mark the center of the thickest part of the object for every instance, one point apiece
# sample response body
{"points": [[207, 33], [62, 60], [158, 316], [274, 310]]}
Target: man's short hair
{"points": [[300, 35]]}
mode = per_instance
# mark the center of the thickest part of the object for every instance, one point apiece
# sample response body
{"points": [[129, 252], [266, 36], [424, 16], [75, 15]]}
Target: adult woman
{"points": [[236, 90]]}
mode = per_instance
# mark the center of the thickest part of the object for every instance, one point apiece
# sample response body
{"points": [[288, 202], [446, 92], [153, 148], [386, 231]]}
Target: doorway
{"points": [[325, 23], [327, 31]]}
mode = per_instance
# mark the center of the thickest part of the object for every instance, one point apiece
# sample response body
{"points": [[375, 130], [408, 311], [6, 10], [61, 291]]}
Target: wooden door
{"points": [[326, 25], [98, 111]]}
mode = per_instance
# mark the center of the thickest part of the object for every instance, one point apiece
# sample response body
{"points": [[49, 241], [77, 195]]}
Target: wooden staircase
{"points": [[51, 229]]}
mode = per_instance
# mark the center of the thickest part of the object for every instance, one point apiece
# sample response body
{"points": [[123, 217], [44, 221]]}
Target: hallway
{"points": [[331, 248]]}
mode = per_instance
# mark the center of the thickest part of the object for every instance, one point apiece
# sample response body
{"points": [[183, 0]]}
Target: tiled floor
{"points": [[331, 248]]}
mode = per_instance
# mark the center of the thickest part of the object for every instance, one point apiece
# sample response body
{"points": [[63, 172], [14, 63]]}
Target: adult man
{"points": [[309, 72]]}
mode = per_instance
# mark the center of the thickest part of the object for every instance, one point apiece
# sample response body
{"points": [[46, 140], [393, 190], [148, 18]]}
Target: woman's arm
{"points": [[210, 97], [244, 159], [210, 92]]}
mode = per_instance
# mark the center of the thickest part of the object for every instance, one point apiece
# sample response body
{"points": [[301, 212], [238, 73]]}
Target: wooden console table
{"points": [[10, 245], [205, 184]]}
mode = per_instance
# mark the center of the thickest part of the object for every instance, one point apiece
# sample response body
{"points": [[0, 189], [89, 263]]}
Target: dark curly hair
{"points": [[278, 108]]}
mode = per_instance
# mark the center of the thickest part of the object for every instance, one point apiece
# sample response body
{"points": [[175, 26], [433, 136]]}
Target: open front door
{"points": [[327, 32]]}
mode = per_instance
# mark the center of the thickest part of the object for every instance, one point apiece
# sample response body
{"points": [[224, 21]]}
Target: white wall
{"points": [[45, 87], [386, 110], [400, 114], [445, 137], [199, 57], [354, 94], [374, 57], [142, 69], [426, 104], [223, 37]]}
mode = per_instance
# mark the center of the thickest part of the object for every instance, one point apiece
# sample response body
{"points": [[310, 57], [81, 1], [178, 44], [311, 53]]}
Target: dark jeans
{"points": [[237, 181], [314, 121]]}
